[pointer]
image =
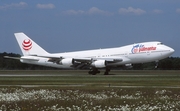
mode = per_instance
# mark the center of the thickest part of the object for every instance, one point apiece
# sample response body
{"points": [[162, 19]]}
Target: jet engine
{"points": [[129, 65], [67, 61], [99, 64]]}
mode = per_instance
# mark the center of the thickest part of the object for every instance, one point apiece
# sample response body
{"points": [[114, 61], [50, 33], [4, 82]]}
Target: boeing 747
{"points": [[93, 59]]}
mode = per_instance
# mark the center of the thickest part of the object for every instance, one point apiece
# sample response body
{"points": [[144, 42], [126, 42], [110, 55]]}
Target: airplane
{"points": [[107, 58]]}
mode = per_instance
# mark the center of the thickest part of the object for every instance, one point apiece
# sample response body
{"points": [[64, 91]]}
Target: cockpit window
{"points": [[160, 43]]}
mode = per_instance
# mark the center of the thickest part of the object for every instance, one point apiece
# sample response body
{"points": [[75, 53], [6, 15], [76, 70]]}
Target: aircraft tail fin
{"points": [[28, 46]]}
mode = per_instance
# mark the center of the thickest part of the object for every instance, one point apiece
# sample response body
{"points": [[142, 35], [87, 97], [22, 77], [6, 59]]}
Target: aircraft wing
{"points": [[81, 63], [78, 62], [110, 59], [84, 59], [95, 59]]}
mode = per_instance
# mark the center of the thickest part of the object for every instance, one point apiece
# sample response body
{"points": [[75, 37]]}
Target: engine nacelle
{"points": [[67, 61], [99, 64], [128, 65]]}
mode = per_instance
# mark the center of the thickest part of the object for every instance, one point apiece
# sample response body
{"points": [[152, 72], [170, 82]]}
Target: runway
{"points": [[33, 75], [117, 79], [86, 74]]}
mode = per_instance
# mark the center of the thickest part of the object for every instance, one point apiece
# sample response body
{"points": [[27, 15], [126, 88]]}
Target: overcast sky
{"points": [[71, 25]]}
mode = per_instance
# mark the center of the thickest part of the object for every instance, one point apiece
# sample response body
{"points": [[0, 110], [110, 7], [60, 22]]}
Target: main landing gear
{"points": [[94, 71], [107, 71]]}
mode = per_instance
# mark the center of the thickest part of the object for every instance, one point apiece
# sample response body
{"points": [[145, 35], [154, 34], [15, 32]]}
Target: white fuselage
{"points": [[130, 54]]}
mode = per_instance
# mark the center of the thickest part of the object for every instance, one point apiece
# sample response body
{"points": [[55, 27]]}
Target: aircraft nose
{"points": [[171, 50]]}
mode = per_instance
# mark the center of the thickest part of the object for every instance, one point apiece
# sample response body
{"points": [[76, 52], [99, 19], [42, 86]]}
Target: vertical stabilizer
{"points": [[28, 46]]}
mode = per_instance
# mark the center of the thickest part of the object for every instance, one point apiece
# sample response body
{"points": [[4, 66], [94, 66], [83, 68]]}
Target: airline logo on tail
{"points": [[27, 44], [141, 48]]}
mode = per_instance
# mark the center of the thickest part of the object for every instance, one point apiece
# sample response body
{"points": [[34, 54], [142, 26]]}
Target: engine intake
{"points": [[128, 65], [67, 61], [99, 63]]}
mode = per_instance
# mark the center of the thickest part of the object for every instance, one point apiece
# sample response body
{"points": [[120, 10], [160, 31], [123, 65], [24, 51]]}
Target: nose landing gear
{"points": [[156, 64]]}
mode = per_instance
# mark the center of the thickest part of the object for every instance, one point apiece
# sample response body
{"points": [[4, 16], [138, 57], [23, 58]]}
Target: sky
{"points": [[73, 25]]}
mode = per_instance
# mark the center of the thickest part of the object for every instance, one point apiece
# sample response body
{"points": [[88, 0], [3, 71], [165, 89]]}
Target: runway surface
{"points": [[32, 73], [117, 79]]}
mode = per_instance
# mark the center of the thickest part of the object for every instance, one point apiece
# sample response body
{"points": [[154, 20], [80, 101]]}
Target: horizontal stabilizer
{"points": [[22, 58], [8, 57], [29, 58]]}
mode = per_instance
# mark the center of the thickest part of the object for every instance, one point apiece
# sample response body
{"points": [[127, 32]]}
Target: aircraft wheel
{"points": [[107, 71], [94, 71]]}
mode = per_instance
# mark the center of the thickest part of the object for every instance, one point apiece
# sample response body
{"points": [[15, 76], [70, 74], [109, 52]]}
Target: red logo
{"points": [[141, 48], [27, 44]]}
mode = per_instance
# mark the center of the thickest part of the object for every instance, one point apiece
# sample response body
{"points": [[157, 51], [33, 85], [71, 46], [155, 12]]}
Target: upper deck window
{"points": [[160, 43]]}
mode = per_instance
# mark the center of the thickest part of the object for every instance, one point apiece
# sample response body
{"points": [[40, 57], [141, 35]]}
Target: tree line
{"points": [[170, 63], [12, 64]]}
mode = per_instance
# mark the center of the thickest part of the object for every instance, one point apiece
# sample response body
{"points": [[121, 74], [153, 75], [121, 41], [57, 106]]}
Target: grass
{"points": [[62, 90]]}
